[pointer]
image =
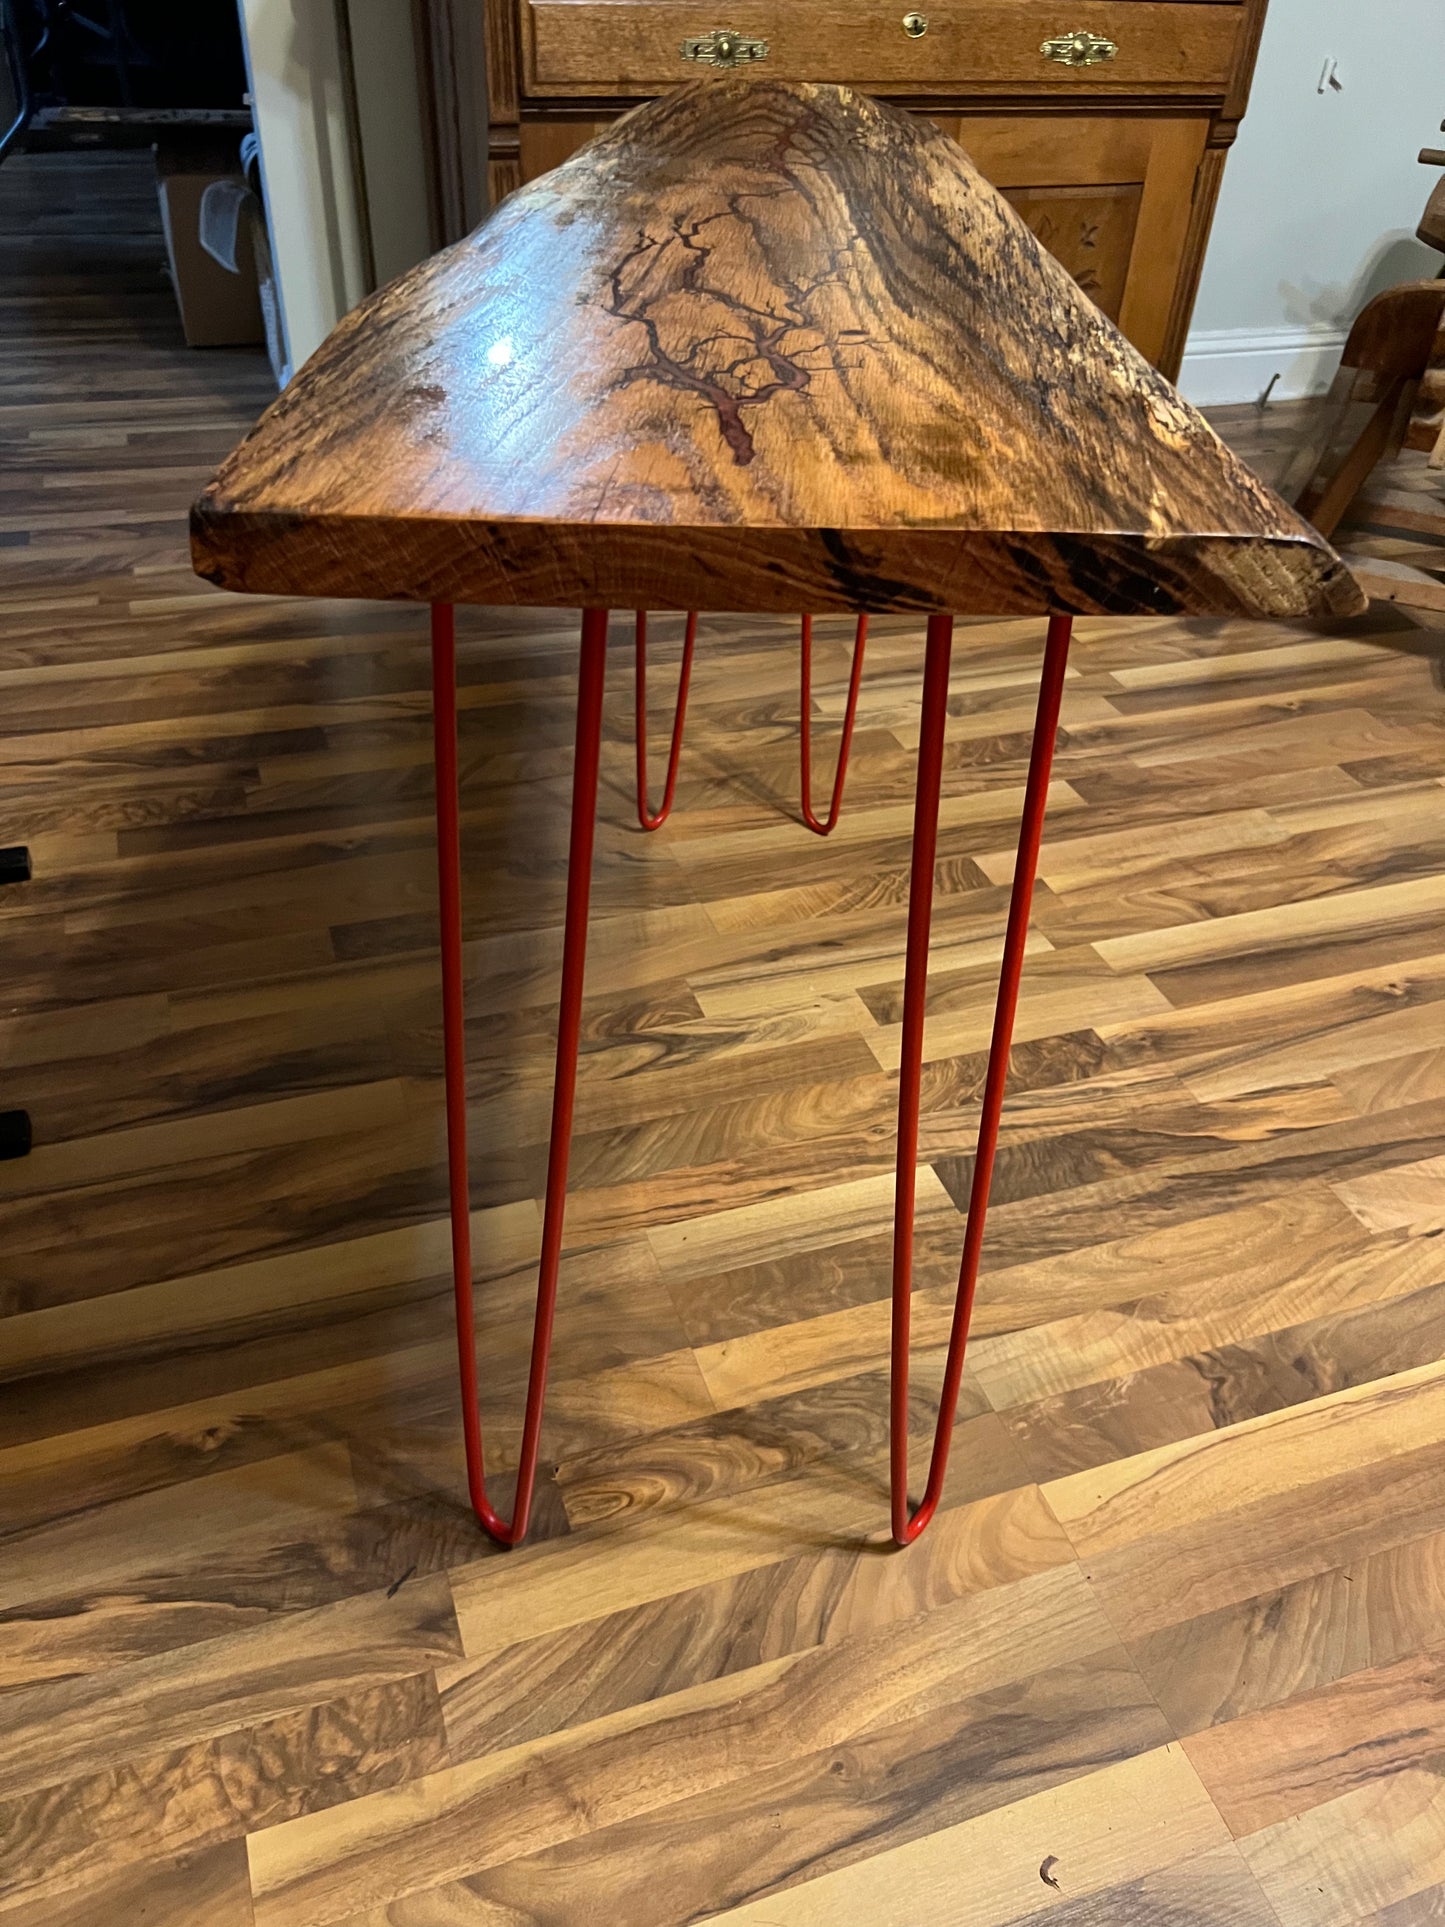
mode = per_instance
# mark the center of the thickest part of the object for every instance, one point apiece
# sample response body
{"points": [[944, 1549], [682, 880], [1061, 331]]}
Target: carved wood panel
{"points": [[1090, 229]]}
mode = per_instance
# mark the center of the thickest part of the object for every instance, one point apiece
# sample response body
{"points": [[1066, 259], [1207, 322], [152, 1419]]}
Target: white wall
{"points": [[1321, 194], [389, 103], [311, 201]]}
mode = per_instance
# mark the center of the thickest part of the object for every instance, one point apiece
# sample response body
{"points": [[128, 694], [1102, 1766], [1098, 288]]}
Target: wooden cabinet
{"points": [[1105, 122]]}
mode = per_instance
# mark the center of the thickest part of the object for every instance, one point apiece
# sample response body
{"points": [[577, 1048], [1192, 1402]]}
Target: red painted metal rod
{"points": [[574, 956], [908, 1524], [645, 816], [850, 714]]}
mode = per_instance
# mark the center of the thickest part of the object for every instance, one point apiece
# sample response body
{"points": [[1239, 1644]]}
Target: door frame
{"points": [[451, 42]]}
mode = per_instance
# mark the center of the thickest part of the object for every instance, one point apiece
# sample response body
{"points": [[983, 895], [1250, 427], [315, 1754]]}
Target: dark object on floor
{"points": [[14, 1125]]}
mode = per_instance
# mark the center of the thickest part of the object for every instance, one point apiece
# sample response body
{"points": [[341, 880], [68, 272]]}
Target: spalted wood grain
{"points": [[760, 345]]}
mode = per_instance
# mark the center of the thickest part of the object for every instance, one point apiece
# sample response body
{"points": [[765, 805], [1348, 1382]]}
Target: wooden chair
{"points": [[1395, 358], [766, 347], [1432, 223], [1392, 345], [1427, 426]]}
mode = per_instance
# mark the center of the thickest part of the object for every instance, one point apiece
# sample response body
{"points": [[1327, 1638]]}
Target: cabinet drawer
{"points": [[623, 47]]}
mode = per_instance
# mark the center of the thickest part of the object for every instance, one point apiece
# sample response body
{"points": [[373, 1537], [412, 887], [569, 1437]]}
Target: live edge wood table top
{"points": [[765, 346], [760, 347]]}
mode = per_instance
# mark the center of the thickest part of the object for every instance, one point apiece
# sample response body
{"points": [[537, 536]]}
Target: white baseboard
{"points": [[1236, 364]]}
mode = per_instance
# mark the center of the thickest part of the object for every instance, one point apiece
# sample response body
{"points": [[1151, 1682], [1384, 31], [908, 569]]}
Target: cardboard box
{"points": [[232, 214], [219, 308]]}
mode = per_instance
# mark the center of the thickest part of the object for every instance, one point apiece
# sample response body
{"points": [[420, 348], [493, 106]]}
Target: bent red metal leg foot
{"points": [[908, 1524], [805, 740], [574, 956], [644, 813]]}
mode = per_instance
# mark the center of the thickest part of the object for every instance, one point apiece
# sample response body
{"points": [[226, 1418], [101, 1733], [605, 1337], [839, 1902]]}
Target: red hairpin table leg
{"points": [[908, 1524], [574, 956], [805, 740], [644, 814]]}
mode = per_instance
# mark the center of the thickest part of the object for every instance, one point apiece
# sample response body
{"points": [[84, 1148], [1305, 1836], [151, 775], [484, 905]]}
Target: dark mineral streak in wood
{"points": [[760, 346]]}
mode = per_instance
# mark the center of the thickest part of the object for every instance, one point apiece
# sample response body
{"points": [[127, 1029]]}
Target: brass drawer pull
{"points": [[724, 47], [915, 25], [1080, 49]]}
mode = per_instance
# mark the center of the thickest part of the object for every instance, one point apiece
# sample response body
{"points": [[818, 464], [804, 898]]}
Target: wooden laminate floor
{"points": [[1174, 1651]]}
